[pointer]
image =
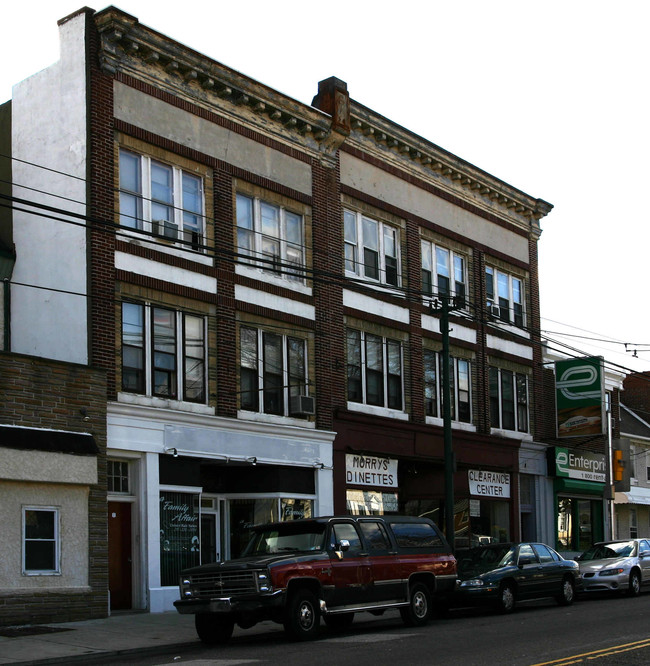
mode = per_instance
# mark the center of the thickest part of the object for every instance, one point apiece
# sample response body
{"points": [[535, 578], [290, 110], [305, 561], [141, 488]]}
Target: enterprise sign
{"points": [[370, 471], [489, 484], [577, 464]]}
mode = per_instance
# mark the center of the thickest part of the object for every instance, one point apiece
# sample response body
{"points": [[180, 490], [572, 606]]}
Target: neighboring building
{"points": [[52, 484], [261, 280], [632, 500], [572, 473]]}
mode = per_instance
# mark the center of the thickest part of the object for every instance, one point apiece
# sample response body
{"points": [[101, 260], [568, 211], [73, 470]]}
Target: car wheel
{"points": [[506, 601], [417, 613], [339, 622], [634, 587], [568, 593], [213, 629], [302, 616]]}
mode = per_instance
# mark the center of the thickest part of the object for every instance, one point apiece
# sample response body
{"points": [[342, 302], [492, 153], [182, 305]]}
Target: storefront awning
{"points": [[578, 486], [56, 441], [636, 496]]}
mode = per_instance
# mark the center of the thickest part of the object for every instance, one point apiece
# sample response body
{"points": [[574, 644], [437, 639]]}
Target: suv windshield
{"points": [[281, 538], [608, 551]]}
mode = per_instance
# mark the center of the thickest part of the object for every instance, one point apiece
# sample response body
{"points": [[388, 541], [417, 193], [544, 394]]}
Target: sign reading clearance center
{"points": [[489, 484], [370, 471]]}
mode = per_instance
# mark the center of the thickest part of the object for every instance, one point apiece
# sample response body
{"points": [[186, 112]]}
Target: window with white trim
{"points": [[444, 272], [272, 372], [41, 547], [272, 235], [505, 296], [372, 249], [117, 476], [162, 199], [374, 370], [508, 400], [459, 389], [163, 352]]}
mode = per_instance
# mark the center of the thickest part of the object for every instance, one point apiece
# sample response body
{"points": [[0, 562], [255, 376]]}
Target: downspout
{"points": [[6, 341]]}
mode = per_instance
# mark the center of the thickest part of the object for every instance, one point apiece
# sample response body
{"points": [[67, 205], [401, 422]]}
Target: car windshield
{"points": [[285, 537], [484, 559], [608, 551]]}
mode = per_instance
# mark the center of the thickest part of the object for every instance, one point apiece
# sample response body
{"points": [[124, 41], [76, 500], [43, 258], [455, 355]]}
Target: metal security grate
{"points": [[224, 584]]}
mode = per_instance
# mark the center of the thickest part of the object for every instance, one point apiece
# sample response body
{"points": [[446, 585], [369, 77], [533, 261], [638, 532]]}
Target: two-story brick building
{"points": [[261, 280]]}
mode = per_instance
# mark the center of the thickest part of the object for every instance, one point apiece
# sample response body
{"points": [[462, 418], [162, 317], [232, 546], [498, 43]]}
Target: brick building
{"points": [[261, 282]]}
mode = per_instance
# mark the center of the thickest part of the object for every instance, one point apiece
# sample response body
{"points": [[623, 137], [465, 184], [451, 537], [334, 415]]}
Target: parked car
{"points": [[296, 571], [616, 566], [504, 573]]}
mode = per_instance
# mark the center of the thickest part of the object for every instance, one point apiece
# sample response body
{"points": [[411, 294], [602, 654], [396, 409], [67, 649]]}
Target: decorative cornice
{"points": [[378, 136], [127, 46]]}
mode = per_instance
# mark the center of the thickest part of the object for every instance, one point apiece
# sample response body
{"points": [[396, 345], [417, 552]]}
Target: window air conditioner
{"points": [[495, 310], [165, 228], [303, 404]]}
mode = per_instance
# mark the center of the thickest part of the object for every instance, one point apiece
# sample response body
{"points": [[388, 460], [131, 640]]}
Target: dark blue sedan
{"points": [[504, 573]]}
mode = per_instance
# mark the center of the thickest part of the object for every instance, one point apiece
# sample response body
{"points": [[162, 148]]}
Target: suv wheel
{"points": [[417, 613], [213, 629], [302, 616]]}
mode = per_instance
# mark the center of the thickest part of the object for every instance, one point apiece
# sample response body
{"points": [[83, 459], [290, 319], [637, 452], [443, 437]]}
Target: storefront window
{"points": [[295, 509], [577, 523], [179, 534], [244, 513], [370, 502]]}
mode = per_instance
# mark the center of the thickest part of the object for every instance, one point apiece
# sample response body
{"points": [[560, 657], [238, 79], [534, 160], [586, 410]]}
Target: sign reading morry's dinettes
{"points": [[489, 484], [370, 471]]}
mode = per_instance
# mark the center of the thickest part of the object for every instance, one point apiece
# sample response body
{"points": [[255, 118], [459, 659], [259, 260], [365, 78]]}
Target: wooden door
{"points": [[120, 574]]}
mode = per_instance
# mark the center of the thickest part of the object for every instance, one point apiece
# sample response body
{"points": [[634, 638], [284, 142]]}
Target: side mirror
{"points": [[344, 545], [644, 553], [526, 560]]}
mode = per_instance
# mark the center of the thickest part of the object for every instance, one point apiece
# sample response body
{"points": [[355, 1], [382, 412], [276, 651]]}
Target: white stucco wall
{"points": [[72, 503], [48, 303]]}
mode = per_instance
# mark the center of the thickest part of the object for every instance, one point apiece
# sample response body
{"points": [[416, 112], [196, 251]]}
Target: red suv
{"points": [[294, 572]]}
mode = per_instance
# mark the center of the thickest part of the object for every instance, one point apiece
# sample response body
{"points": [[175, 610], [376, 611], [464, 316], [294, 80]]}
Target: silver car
{"points": [[616, 566]]}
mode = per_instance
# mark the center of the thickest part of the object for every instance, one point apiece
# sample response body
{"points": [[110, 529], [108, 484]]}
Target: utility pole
{"points": [[444, 307]]}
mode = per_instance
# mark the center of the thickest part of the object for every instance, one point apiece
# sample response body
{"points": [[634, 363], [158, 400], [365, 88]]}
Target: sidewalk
{"points": [[118, 635]]}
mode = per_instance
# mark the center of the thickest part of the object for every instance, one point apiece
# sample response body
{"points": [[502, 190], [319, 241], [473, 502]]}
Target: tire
{"points": [[302, 616], [213, 629], [418, 612], [634, 586], [339, 622], [506, 601], [568, 593]]}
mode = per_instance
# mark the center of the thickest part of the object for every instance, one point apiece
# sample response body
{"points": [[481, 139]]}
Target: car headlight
{"points": [[264, 582], [472, 582], [612, 572]]}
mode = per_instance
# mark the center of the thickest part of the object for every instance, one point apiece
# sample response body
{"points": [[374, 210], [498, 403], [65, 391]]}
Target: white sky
{"points": [[550, 97]]}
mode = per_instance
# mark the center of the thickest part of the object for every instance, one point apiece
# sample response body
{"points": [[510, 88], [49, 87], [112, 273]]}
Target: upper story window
{"points": [[444, 273], [508, 400], [374, 370], [272, 235], [371, 249], [163, 353], [41, 545], [272, 372], [459, 380], [161, 199], [505, 296]]}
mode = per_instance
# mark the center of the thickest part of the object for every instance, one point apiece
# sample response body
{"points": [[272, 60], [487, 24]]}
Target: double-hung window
{"points": [[505, 296], [41, 545], [163, 352], [508, 400], [272, 372], [459, 386], [374, 370], [162, 199], [272, 235], [371, 249], [444, 273]]}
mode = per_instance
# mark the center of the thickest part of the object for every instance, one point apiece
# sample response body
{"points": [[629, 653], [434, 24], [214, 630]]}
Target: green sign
{"points": [[579, 391]]}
